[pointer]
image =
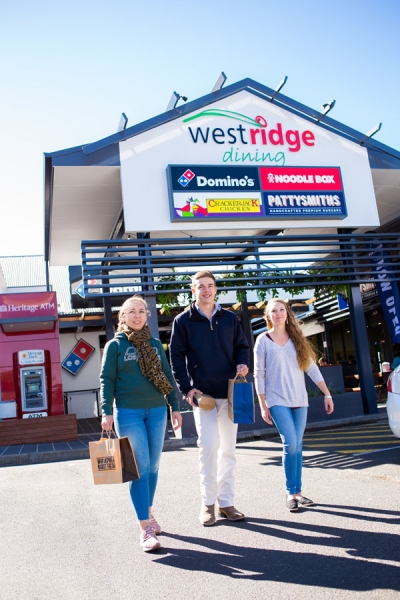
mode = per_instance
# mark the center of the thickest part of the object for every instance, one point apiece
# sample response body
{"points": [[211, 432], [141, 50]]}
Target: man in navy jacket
{"points": [[208, 347]]}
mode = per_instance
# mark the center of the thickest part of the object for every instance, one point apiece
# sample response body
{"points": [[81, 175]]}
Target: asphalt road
{"points": [[62, 538]]}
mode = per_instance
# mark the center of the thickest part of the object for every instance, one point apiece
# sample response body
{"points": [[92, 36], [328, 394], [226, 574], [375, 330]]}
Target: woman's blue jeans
{"points": [[145, 428], [291, 423]]}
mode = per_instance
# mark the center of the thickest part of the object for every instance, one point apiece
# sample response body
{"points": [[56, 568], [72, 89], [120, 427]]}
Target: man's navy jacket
{"points": [[204, 353]]}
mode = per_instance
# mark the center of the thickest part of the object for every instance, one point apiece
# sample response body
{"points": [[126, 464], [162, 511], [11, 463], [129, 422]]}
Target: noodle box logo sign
{"points": [[78, 356], [200, 192]]}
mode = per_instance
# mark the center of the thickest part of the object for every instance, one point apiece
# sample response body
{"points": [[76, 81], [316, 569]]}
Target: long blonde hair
{"points": [[304, 351]]}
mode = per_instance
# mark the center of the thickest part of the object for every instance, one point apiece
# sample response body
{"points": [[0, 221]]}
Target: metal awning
{"points": [[83, 195]]}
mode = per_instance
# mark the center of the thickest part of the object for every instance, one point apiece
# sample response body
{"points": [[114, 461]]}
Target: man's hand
{"points": [[242, 370], [189, 396]]}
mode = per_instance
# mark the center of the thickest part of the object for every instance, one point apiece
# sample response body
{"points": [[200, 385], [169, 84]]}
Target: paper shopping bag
{"points": [[105, 458], [130, 471], [112, 460], [205, 402], [241, 401]]}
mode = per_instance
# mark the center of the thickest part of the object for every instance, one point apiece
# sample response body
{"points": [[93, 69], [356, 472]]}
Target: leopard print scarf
{"points": [[149, 362]]}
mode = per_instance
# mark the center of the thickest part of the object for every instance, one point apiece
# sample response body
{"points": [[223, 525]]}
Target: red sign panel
{"points": [[83, 349], [33, 304], [287, 179]]}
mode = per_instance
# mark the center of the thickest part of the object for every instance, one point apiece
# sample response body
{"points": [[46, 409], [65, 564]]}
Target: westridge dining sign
{"points": [[247, 161], [258, 135]]}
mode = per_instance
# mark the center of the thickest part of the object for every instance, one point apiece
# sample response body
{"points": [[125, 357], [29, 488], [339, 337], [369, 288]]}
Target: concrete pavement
{"points": [[63, 538], [59, 451]]}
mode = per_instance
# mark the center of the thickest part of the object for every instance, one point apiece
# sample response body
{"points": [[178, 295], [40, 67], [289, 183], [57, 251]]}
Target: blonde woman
{"points": [[281, 357], [136, 380]]}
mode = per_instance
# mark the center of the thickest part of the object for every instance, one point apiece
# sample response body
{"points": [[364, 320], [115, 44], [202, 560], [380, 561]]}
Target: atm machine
{"points": [[30, 364], [33, 383], [33, 392]]}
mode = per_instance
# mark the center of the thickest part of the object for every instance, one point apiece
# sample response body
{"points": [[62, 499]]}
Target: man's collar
{"points": [[216, 308]]}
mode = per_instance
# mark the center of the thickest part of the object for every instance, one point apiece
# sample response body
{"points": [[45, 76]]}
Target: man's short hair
{"points": [[201, 274]]}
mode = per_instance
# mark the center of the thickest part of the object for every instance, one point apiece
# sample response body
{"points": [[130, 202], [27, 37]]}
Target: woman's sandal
{"points": [[303, 501], [291, 504]]}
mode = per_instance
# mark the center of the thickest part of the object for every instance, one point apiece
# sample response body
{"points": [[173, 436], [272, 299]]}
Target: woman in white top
{"points": [[281, 356]]}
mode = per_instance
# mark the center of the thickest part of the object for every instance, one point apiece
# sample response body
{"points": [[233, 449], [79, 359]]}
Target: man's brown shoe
{"points": [[207, 515], [230, 513]]}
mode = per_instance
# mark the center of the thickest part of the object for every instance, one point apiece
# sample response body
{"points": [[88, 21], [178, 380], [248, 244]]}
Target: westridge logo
{"points": [[260, 133]]}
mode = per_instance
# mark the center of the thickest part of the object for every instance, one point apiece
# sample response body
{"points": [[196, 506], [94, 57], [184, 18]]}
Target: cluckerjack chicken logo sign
{"points": [[201, 192]]}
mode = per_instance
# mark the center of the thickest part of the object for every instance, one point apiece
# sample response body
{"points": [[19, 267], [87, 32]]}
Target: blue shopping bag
{"points": [[241, 401]]}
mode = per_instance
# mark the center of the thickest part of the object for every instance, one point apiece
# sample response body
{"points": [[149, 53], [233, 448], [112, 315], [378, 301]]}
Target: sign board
{"points": [[31, 357], [302, 174], [369, 291], [342, 303], [34, 415], [77, 294], [25, 305], [78, 356], [206, 192]]}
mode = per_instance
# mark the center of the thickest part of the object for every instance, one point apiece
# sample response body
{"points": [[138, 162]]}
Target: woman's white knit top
{"points": [[278, 375]]}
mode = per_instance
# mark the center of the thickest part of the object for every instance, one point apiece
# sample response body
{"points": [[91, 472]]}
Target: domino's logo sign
{"points": [[77, 357], [186, 178]]}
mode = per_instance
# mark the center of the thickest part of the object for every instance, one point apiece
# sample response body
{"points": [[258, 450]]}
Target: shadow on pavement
{"points": [[361, 570]]}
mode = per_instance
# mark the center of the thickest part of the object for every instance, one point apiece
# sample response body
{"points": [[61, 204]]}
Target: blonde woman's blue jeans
{"points": [[145, 428], [291, 423]]}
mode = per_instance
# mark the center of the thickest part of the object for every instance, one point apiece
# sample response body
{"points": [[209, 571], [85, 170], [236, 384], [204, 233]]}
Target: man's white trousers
{"points": [[216, 442]]}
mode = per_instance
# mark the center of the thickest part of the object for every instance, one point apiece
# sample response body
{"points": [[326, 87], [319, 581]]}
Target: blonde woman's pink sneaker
{"points": [[156, 526], [148, 540]]}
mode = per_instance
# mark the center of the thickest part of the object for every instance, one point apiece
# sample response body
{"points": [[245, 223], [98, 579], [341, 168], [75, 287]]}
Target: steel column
{"points": [[361, 347]]}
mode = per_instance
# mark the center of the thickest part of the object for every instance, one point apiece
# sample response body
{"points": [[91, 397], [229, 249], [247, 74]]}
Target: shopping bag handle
{"points": [[108, 434], [241, 376]]}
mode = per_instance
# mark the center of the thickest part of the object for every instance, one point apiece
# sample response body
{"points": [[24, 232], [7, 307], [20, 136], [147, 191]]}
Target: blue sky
{"points": [[70, 69]]}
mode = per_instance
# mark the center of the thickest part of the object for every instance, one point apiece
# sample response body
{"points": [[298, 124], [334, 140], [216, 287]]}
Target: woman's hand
{"points": [[328, 405], [266, 414], [107, 422], [176, 419]]}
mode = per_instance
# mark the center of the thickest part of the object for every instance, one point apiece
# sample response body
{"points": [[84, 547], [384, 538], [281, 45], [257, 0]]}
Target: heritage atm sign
{"points": [[199, 192]]}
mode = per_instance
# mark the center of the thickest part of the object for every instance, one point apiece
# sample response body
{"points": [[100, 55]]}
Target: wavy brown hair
{"points": [[304, 351]]}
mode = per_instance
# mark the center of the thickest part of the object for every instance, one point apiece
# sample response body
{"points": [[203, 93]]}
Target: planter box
{"points": [[347, 405], [333, 376], [60, 428], [188, 426], [189, 429]]}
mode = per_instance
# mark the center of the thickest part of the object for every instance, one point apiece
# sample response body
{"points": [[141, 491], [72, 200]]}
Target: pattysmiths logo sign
{"points": [[257, 133]]}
